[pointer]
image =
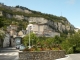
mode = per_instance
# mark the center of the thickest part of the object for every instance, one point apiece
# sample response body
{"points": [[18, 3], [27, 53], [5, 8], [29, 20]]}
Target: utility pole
{"points": [[61, 13]]}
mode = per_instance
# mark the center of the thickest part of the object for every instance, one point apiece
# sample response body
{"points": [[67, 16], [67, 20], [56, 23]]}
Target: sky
{"points": [[67, 8]]}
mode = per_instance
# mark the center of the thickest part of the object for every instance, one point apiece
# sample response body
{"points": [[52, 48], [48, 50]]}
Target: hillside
{"points": [[21, 16]]}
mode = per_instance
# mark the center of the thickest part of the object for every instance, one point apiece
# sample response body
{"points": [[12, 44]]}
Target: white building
{"points": [[76, 29], [42, 30]]}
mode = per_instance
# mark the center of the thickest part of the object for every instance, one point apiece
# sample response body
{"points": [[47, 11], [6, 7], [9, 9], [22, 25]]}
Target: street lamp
{"points": [[29, 37]]}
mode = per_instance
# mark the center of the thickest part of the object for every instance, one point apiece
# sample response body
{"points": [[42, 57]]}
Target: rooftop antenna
{"points": [[61, 13]]}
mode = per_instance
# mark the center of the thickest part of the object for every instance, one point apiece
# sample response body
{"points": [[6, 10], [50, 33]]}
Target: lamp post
{"points": [[29, 37]]}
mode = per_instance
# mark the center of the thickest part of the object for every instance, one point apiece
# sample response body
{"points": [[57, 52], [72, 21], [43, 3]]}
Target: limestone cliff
{"points": [[58, 24]]}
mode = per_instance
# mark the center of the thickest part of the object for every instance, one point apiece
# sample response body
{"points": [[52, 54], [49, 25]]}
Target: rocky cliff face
{"points": [[57, 26], [61, 26]]}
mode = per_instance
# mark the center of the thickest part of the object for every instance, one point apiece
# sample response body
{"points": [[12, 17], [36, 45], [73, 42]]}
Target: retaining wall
{"points": [[41, 55]]}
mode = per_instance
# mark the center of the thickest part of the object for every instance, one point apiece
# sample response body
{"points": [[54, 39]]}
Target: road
{"points": [[74, 56], [12, 54], [71, 57], [8, 54]]}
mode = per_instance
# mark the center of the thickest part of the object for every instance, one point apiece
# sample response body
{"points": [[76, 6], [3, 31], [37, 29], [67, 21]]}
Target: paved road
{"points": [[71, 57], [8, 54], [12, 54], [74, 56]]}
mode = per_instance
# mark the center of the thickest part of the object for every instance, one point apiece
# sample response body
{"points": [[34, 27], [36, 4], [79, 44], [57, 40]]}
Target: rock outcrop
{"points": [[60, 26], [57, 26]]}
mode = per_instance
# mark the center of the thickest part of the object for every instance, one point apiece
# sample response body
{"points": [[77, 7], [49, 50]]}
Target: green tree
{"points": [[57, 40], [33, 39], [66, 46], [50, 42], [75, 42], [72, 44]]}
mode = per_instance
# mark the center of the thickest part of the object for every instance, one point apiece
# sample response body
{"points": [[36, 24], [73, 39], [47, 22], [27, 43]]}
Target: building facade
{"points": [[42, 30]]}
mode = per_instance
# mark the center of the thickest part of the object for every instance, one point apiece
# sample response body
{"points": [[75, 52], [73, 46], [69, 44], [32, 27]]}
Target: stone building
{"points": [[42, 30], [12, 27], [76, 29]]}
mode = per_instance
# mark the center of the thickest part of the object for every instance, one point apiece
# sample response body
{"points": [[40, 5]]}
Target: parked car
{"points": [[17, 46], [21, 47]]}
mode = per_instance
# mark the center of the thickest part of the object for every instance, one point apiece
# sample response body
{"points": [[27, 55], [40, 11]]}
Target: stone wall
{"points": [[6, 40], [41, 55]]}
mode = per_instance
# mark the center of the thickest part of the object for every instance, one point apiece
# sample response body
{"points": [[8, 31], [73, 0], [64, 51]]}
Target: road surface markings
{"points": [[11, 54]]}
